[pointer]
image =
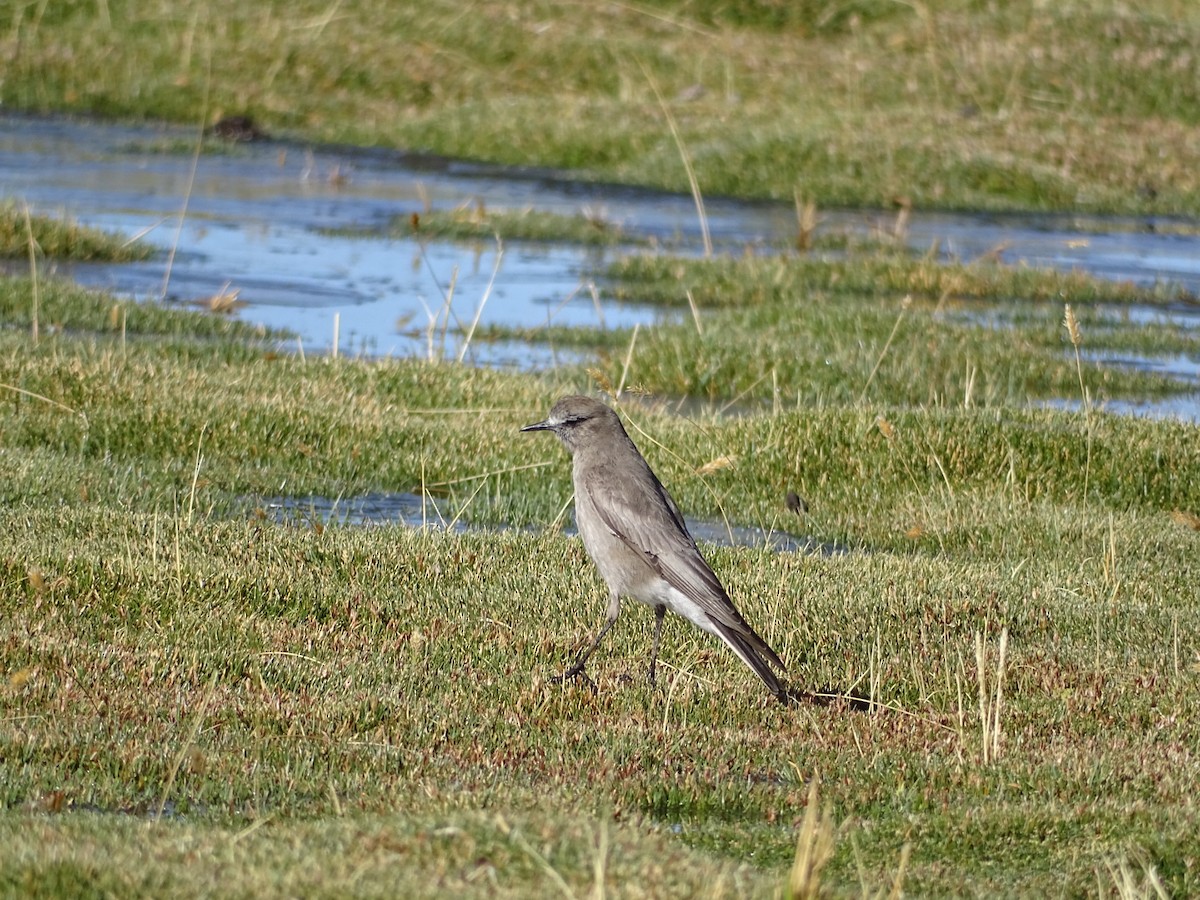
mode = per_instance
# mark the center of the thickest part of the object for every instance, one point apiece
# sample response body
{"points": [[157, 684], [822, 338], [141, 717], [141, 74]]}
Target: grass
{"points": [[743, 282], [444, 849], [955, 105], [875, 324], [65, 307], [475, 222], [330, 710], [61, 238], [196, 699]]}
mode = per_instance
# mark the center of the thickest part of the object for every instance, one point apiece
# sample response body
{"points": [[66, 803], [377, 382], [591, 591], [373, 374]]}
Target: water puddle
{"points": [[1000, 318], [259, 221], [263, 220], [1180, 407], [415, 511], [1177, 366]]}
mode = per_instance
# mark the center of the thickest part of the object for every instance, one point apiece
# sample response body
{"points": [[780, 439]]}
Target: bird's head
{"points": [[574, 419]]}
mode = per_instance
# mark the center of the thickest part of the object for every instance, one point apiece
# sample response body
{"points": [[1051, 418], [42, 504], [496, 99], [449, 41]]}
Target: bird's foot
{"points": [[576, 671]]}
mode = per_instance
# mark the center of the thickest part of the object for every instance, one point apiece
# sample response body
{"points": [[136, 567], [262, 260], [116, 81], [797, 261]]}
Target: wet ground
{"points": [[429, 512], [258, 221]]}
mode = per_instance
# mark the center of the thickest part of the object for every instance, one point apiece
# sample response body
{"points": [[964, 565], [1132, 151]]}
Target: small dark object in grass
{"points": [[239, 129], [830, 696]]}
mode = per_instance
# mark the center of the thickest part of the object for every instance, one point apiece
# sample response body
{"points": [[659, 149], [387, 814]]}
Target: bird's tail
{"points": [[751, 652]]}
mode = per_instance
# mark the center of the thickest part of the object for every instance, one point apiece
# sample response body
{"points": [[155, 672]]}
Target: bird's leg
{"points": [[659, 612], [610, 619], [576, 670]]}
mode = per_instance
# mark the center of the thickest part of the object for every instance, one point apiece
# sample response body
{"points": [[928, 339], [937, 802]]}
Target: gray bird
{"points": [[636, 536]]}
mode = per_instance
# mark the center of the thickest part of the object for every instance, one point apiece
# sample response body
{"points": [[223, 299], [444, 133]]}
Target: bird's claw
{"points": [[576, 671]]}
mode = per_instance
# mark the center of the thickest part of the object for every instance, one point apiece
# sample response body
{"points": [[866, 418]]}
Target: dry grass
{"points": [[814, 848]]}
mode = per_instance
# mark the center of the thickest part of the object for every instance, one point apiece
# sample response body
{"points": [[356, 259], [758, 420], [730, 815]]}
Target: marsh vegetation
{"points": [[197, 700]]}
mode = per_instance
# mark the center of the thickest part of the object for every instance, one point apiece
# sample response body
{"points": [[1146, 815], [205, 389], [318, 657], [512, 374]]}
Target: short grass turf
{"points": [[327, 710]]}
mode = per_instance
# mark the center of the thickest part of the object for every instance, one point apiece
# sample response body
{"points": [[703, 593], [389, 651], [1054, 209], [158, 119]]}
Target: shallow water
{"points": [[428, 512], [257, 222]]}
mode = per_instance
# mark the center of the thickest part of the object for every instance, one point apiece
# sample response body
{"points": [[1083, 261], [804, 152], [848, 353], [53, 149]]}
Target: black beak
{"points": [[539, 426]]}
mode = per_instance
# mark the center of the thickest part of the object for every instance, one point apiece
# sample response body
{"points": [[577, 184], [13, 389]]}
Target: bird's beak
{"points": [[538, 426]]}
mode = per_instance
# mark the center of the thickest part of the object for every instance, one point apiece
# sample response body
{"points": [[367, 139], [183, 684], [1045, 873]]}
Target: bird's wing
{"points": [[642, 514]]}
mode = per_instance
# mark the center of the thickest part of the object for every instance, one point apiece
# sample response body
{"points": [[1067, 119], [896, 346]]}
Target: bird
{"points": [[637, 538]]}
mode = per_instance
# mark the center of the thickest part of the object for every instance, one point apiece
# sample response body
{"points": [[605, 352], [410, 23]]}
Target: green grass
{"points": [[64, 306], [954, 104], [60, 238], [444, 849], [761, 281], [875, 325], [475, 222], [327, 710], [332, 711]]}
